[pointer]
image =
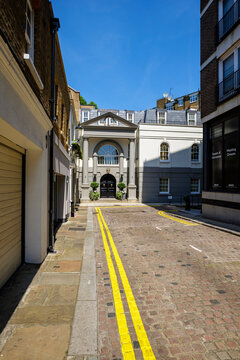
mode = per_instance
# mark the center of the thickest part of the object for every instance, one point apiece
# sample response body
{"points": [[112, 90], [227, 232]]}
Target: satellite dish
{"points": [[165, 95]]}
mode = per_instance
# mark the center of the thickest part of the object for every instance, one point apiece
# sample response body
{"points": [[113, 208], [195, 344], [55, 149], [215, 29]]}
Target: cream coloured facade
{"points": [[159, 162]]}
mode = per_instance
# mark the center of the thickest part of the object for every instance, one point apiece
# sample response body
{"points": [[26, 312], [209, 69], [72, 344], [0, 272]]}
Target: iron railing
{"points": [[229, 20], [229, 86]]}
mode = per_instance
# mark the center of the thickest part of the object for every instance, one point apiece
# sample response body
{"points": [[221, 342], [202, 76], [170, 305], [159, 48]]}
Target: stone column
{"points": [[95, 159], [131, 183], [85, 184], [121, 166]]}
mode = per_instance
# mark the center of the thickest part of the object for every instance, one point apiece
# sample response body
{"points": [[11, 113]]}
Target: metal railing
{"points": [[229, 86], [229, 20]]}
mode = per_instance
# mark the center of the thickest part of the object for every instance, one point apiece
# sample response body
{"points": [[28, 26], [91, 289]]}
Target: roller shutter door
{"points": [[10, 211]]}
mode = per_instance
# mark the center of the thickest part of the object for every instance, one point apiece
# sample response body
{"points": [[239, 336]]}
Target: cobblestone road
{"points": [[185, 281]]}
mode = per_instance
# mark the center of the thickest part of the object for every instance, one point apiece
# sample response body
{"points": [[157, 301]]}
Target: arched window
{"points": [[164, 152], [108, 155], [195, 152]]}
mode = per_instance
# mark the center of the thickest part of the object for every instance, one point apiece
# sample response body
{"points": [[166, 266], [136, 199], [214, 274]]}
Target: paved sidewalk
{"points": [[40, 327]]}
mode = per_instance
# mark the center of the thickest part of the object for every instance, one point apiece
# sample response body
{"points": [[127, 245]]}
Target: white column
{"points": [[95, 158], [85, 161], [131, 182]]}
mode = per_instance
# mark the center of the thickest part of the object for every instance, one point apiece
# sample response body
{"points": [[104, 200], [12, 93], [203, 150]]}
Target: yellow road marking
{"points": [[126, 344], [136, 318], [162, 213], [121, 206]]}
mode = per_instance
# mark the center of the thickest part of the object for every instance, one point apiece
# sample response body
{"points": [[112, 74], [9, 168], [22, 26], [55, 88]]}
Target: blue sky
{"points": [[123, 54]]}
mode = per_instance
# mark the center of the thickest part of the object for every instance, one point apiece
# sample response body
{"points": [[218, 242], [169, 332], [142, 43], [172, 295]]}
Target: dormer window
{"points": [[162, 117], [180, 102], [29, 30], [192, 119], [85, 116], [193, 98], [169, 106], [130, 117]]}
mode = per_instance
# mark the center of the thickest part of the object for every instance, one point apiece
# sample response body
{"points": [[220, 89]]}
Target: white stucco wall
{"points": [[179, 138]]}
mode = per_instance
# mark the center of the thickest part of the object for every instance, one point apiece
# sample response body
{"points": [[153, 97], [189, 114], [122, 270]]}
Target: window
{"points": [[29, 30], [164, 186], [195, 153], [162, 117], [169, 106], [195, 186], [192, 119], [112, 121], [85, 116], [164, 152], [108, 155], [180, 102], [193, 98], [228, 74], [130, 117], [229, 15]]}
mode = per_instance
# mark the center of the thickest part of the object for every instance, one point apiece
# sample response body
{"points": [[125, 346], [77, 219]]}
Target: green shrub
{"points": [[94, 195], [119, 195], [121, 186], [94, 185], [76, 149]]}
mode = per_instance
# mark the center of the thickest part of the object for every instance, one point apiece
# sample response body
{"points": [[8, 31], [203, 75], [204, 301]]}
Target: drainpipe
{"points": [[55, 25]]}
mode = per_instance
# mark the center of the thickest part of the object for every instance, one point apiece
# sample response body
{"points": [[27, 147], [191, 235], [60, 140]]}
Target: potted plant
{"points": [[94, 194], [121, 187], [76, 149]]}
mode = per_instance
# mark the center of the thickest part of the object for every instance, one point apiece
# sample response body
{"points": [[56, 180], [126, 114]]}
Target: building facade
{"points": [[185, 102], [220, 100], [156, 153], [25, 125]]}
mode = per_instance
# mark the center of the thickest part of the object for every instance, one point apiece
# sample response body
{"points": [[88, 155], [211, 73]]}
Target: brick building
{"points": [[220, 105], [185, 102], [25, 126]]}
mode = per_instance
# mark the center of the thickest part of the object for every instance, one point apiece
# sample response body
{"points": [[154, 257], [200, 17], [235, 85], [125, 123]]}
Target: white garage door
{"points": [[10, 211]]}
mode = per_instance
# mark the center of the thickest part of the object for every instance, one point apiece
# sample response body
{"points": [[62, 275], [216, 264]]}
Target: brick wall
{"points": [[12, 20], [209, 81], [209, 23], [203, 4]]}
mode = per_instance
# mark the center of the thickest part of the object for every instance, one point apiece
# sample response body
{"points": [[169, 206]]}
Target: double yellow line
{"points": [[126, 344]]}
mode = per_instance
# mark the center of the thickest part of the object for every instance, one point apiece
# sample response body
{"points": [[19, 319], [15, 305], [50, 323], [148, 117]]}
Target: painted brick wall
{"points": [[12, 20], [209, 80], [209, 31]]}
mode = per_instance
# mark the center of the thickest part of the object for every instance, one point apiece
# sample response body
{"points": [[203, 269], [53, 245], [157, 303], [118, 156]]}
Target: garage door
{"points": [[10, 211]]}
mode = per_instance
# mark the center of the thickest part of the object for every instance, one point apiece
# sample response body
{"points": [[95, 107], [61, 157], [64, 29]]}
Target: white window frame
{"points": [[198, 191], [165, 117], [132, 117], [198, 160], [112, 121], [168, 160], [29, 40], [164, 192], [193, 98], [170, 104], [83, 118], [225, 57], [181, 99], [195, 118]]}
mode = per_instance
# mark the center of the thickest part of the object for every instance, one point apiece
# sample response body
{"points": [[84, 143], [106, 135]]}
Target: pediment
{"points": [[109, 120]]}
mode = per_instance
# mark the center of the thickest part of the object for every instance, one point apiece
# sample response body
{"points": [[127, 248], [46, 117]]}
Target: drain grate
{"points": [[77, 229]]}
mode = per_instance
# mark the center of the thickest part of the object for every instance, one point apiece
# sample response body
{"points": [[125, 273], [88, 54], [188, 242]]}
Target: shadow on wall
{"points": [[13, 291], [179, 178]]}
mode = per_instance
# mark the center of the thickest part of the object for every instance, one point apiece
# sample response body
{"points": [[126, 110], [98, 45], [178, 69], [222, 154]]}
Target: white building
{"points": [[156, 153]]}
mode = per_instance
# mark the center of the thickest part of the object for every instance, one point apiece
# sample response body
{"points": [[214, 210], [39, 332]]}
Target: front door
{"points": [[108, 186]]}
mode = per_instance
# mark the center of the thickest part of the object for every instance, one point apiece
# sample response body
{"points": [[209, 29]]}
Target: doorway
{"points": [[108, 186]]}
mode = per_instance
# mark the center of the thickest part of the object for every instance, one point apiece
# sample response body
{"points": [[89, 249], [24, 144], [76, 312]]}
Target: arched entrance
{"points": [[108, 186]]}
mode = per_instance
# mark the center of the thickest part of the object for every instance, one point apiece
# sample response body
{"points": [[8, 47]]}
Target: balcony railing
{"points": [[229, 20], [229, 86]]}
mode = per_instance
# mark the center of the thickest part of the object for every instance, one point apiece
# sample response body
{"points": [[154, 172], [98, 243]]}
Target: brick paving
{"points": [[188, 299]]}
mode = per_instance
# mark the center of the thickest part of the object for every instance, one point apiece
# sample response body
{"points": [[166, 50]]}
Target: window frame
{"points": [[181, 99], [103, 156], [198, 159], [168, 152], [195, 192], [83, 118], [193, 96], [168, 183], [165, 117], [130, 113], [29, 40], [195, 118], [169, 106]]}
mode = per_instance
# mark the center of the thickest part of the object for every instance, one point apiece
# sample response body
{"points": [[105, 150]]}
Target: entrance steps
{"points": [[109, 202]]}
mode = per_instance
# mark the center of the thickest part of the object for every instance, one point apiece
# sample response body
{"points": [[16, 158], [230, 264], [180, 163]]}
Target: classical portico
{"points": [[109, 147]]}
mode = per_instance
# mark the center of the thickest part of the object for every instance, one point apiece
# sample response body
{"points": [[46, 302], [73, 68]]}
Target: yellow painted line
{"points": [[126, 344], [120, 206], [162, 213], [136, 318]]}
